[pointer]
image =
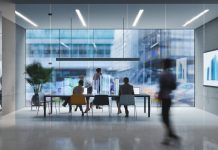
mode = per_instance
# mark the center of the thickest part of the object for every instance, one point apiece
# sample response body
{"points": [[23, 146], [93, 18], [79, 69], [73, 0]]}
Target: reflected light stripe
{"points": [[62, 43]]}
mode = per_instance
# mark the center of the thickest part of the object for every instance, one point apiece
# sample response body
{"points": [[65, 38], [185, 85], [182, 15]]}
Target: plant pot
{"points": [[35, 99]]}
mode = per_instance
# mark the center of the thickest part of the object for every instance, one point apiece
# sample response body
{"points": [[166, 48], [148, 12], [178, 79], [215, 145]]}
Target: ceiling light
{"points": [[80, 17], [25, 18], [62, 43], [196, 17], [137, 17]]}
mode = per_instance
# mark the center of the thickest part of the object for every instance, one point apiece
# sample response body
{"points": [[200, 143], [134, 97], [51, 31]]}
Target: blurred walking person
{"points": [[167, 83]]}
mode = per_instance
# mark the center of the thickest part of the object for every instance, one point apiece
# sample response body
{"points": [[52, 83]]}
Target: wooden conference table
{"points": [[145, 96]]}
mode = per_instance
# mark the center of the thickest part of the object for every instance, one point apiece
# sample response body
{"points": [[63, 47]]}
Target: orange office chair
{"points": [[78, 100]]}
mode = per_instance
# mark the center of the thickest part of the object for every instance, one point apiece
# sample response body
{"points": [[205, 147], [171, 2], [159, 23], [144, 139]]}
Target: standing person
{"points": [[167, 83], [97, 83], [125, 89], [97, 80]]}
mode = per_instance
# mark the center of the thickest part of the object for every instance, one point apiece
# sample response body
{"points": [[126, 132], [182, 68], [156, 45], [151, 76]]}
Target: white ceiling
{"points": [[110, 16]]}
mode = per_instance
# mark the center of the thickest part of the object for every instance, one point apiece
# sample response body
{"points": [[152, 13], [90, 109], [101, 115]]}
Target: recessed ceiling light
{"points": [[80, 17], [196, 17], [137, 17], [26, 19]]}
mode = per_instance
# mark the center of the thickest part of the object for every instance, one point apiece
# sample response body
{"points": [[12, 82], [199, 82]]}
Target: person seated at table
{"points": [[76, 90], [125, 89]]}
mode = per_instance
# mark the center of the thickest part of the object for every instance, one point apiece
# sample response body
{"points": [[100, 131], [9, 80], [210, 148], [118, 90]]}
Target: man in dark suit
{"points": [[125, 89]]}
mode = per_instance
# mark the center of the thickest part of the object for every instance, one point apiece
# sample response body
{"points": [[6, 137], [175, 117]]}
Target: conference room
{"points": [[87, 75], [82, 41]]}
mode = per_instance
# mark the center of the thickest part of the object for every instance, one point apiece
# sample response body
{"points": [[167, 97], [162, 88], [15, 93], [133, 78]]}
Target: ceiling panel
{"points": [[111, 16]]}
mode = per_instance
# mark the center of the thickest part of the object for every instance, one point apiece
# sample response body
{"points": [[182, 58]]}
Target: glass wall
{"points": [[150, 46], [0, 61]]}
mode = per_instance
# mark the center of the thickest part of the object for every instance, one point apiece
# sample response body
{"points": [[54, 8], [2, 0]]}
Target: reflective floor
{"points": [[24, 130]]}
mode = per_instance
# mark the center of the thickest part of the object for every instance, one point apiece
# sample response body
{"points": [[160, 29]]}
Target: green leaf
{"points": [[38, 75]]}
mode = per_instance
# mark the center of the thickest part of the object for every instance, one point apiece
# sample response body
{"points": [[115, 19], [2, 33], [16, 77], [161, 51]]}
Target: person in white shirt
{"points": [[97, 83]]}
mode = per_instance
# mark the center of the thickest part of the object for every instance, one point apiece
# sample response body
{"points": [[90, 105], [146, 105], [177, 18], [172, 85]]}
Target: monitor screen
{"points": [[136, 90], [85, 91]]}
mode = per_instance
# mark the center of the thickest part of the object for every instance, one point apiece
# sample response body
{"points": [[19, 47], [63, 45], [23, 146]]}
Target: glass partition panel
{"points": [[108, 32], [0, 61], [149, 45]]}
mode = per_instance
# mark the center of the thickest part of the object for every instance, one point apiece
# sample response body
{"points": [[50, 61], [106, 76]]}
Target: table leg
{"points": [[44, 105], [149, 106], [145, 104], [51, 105]]}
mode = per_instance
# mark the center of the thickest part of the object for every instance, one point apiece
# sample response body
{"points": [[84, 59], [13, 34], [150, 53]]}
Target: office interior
{"points": [[124, 39]]}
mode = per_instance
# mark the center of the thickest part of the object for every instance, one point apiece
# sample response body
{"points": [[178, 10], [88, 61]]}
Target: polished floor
{"points": [[24, 130]]}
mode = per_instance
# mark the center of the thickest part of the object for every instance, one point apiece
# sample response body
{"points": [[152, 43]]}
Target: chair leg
{"points": [[109, 110], [135, 112], [56, 108], [38, 110], [92, 111], [48, 109], [59, 106]]}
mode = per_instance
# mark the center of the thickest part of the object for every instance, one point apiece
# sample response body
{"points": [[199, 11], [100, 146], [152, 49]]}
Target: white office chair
{"points": [[41, 102], [128, 100]]}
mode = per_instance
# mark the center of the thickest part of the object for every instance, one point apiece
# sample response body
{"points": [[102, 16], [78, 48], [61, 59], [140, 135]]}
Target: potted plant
{"points": [[37, 76]]}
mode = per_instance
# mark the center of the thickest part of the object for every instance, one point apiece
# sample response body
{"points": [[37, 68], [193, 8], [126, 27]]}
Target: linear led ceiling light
{"points": [[196, 17], [137, 17], [80, 17], [26, 19]]}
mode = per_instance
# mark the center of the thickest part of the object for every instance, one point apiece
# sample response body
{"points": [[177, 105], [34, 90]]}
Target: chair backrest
{"points": [[77, 100], [127, 100], [101, 100], [41, 97]]}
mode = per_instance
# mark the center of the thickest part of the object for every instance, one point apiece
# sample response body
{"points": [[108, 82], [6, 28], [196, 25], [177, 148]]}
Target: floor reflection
{"points": [[198, 130], [208, 145]]}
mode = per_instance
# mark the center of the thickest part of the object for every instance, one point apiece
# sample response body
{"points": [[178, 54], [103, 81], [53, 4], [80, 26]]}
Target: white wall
{"points": [[13, 60], [7, 9], [0, 47], [8, 65], [20, 66]]}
